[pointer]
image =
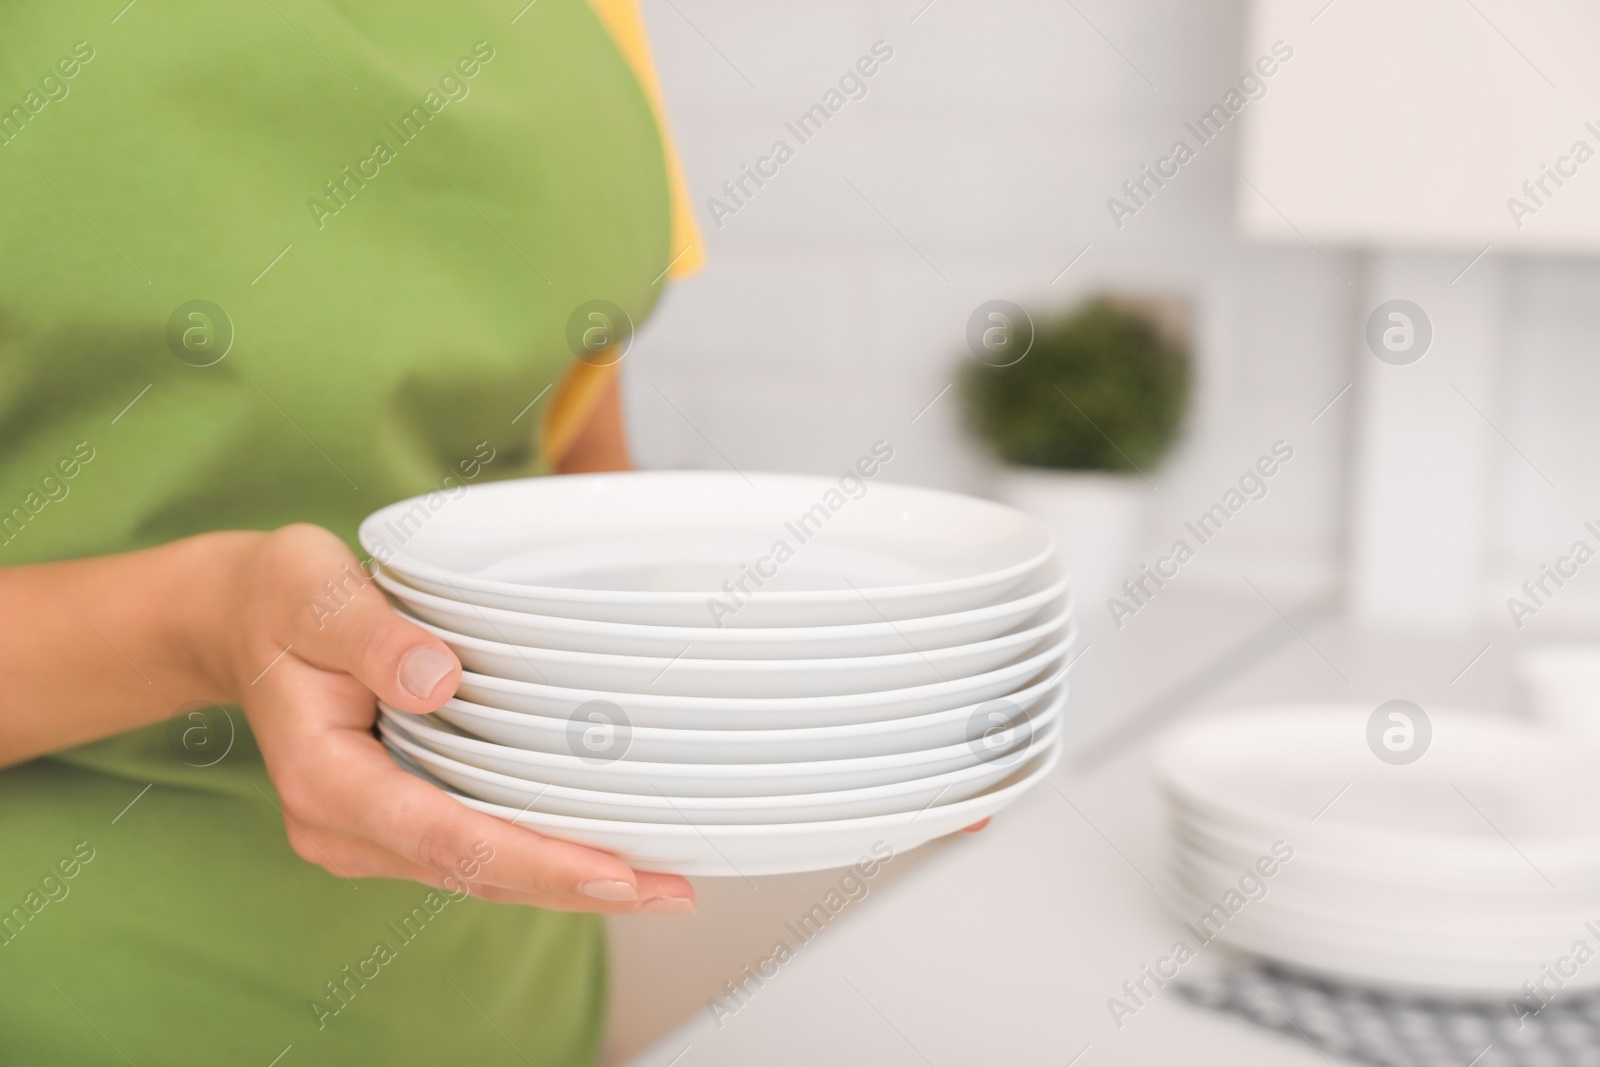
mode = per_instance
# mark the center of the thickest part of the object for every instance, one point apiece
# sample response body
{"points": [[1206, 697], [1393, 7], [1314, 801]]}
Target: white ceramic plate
{"points": [[912, 796], [688, 677], [667, 547], [1309, 947], [1461, 924], [1461, 872], [612, 775], [764, 713], [782, 848], [1421, 878], [1427, 871], [1483, 780], [733, 642], [538, 733]]}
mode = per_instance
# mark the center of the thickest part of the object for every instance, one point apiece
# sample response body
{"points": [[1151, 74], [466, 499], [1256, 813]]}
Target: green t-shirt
{"points": [[267, 263]]}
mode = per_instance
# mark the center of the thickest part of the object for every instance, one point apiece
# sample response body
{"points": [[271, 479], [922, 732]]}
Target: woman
{"points": [[268, 267]]}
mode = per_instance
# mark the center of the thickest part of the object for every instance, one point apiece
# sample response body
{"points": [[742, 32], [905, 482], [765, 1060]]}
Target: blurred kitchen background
{"points": [[1376, 166]]}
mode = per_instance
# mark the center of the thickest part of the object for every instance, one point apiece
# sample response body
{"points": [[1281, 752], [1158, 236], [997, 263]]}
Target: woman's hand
{"points": [[307, 678]]}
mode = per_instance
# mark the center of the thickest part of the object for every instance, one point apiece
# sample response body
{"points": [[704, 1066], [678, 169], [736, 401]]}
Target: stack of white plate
{"points": [[711, 673], [1471, 870]]}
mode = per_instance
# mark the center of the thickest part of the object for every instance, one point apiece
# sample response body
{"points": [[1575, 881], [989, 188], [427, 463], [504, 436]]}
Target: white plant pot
{"points": [[1097, 518]]}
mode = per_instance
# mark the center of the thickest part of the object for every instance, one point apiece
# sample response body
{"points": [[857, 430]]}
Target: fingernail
{"points": [[668, 906], [606, 889], [424, 668]]}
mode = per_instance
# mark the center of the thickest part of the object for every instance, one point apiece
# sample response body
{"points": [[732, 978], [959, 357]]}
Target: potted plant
{"points": [[1080, 420]]}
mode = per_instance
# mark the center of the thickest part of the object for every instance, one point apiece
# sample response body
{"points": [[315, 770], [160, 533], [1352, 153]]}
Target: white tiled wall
{"points": [[990, 142], [1551, 409]]}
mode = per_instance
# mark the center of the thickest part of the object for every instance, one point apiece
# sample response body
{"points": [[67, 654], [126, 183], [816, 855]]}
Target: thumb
{"points": [[405, 665]]}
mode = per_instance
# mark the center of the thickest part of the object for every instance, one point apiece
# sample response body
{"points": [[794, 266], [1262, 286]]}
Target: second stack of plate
{"points": [[1442, 852], [711, 673]]}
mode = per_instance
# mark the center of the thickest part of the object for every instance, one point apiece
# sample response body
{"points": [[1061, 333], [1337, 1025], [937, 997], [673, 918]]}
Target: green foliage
{"points": [[1100, 390]]}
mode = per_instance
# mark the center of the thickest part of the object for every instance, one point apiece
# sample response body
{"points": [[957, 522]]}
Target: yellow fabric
{"points": [[576, 395], [622, 18]]}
